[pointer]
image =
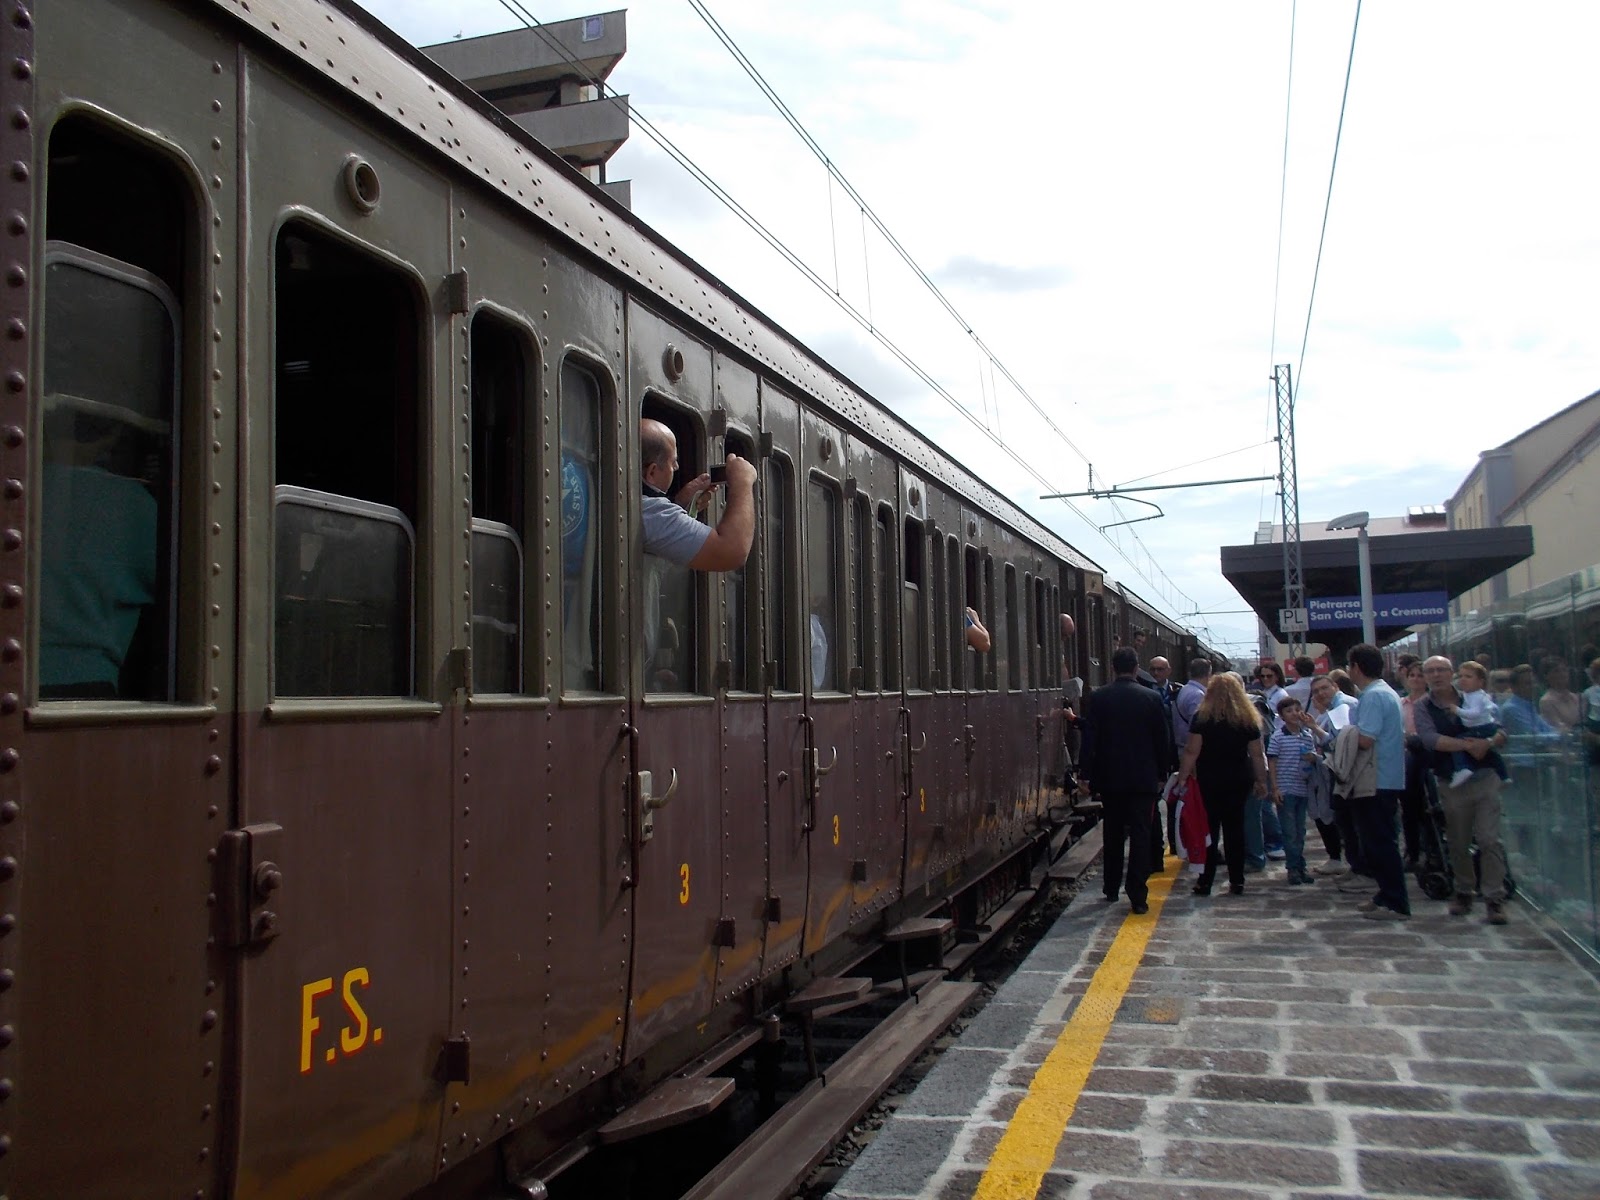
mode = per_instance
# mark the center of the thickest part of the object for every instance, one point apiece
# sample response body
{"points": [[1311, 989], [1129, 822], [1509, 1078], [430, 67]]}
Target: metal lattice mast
{"points": [[1294, 590]]}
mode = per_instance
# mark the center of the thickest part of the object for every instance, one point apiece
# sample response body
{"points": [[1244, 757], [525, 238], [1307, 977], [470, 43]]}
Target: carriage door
{"points": [[345, 786], [943, 765], [787, 643], [918, 708], [837, 836], [742, 712], [874, 546], [678, 767]]}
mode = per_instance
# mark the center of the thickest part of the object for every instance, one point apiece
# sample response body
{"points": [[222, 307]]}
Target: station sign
{"points": [[1397, 608]]}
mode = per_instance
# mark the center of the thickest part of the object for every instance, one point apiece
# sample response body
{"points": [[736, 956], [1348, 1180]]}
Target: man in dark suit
{"points": [[1126, 745]]}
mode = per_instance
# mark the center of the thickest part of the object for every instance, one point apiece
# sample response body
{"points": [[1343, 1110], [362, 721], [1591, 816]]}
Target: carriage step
{"points": [[828, 990], [919, 927], [673, 1103]]}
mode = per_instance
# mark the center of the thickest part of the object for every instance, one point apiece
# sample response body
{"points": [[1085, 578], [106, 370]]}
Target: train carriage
{"points": [[375, 820]]}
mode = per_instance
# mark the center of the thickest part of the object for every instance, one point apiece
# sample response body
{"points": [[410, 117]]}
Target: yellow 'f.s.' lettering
{"points": [[309, 1021], [352, 1038], [683, 876]]}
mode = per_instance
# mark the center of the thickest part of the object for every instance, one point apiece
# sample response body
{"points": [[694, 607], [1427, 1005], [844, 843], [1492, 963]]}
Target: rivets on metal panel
{"points": [[22, 18], [216, 106], [208, 1020], [16, 330], [216, 68], [8, 1034], [22, 69], [11, 595], [9, 758], [19, 172], [14, 489], [208, 1068], [11, 650], [19, 118], [6, 1088], [12, 435], [213, 764], [9, 812], [8, 923]]}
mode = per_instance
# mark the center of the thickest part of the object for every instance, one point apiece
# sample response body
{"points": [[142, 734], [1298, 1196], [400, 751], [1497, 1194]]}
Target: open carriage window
{"points": [[584, 667], [501, 414], [914, 612], [864, 638], [888, 647], [347, 412], [779, 563], [114, 285], [823, 535], [744, 647], [671, 625]]}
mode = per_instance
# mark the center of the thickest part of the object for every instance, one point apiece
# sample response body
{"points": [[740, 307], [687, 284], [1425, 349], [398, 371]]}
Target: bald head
{"points": [[657, 446]]}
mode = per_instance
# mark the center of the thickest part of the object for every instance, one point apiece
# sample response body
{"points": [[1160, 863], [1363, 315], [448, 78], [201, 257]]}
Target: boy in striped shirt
{"points": [[1290, 751]]}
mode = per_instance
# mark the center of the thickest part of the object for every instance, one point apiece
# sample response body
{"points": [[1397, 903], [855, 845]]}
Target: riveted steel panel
{"points": [[18, 262], [346, 1013], [122, 1004]]}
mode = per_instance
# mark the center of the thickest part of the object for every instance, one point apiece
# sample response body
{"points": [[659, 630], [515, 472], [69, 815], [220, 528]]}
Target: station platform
{"points": [[1269, 1046]]}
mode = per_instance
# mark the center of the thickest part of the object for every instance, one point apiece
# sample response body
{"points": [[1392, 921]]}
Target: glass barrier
{"points": [[1542, 651]]}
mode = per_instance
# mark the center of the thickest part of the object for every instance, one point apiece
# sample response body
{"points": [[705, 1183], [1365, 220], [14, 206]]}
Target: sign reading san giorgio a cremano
{"points": [[1399, 608]]}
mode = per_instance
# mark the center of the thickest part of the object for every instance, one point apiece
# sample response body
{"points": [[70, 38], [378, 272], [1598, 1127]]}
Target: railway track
{"points": [[813, 1074]]}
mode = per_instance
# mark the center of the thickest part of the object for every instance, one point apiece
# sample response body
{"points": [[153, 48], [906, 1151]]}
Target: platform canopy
{"points": [[1420, 564]]}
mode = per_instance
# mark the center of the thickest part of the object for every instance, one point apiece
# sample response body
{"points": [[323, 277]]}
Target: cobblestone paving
{"points": [[1276, 1046]]}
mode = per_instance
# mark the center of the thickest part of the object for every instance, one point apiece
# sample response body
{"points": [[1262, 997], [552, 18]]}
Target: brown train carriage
{"points": [[373, 820]]}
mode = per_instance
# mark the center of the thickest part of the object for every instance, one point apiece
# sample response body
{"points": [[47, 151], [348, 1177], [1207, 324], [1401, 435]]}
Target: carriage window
{"points": [[956, 618], [863, 643], [744, 650], [991, 661], [822, 572], [583, 664], [109, 489], [346, 424], [500, 409], [888, 617], [777, 563], [671, 591], [975, 598], [1013, 633], [940, 603], [1041, 638], [914, 613]]}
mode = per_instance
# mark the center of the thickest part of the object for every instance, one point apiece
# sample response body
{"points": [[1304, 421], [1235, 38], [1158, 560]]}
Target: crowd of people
{"points": [[1252, 766]]}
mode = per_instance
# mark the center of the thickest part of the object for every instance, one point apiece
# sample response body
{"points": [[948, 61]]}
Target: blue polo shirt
{"points": [[1378, 716]]}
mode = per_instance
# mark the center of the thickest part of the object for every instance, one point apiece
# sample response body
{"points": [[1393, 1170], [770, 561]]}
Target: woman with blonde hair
{"points": [[1224, 752]]}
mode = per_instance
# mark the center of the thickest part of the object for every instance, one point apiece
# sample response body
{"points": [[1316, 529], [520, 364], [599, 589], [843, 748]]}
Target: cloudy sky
{"points": [[1096, 189]]}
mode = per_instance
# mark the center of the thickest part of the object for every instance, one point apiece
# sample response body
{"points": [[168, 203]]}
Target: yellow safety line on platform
{"points": [[1028, 1148]]}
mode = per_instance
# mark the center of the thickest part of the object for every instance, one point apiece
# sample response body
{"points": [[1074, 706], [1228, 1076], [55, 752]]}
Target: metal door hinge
{"points": [[458, 669], [858, 871], [247, 881], [774, 909], [455, 1060], [457, 293], [717, 422], [724, 934]]}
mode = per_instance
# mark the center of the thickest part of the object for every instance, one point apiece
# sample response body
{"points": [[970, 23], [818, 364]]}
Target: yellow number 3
{"points": [[683, 892], [836, 829]]}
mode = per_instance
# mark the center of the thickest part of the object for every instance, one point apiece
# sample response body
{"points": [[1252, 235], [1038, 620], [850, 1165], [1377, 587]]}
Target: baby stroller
{"points": [[1433, 872]]}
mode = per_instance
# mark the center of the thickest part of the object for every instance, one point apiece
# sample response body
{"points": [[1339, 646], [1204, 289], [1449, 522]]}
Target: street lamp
{"points": [[1358, 522]]}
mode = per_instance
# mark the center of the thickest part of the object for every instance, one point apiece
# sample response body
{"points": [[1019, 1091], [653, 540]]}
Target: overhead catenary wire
{"points": [[682, 158], [1327, 204]]}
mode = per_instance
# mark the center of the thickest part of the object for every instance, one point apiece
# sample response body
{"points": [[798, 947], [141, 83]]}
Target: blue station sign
{"points": [[1400, 608]]}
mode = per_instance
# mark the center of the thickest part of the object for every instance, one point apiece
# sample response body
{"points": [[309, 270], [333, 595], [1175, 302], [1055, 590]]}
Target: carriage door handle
{"points": [[919, 747], [648, 802], [972, 741]]}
